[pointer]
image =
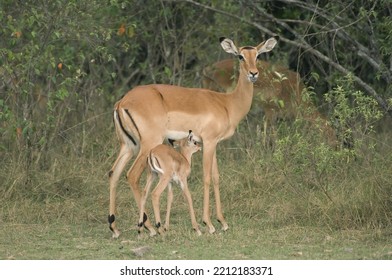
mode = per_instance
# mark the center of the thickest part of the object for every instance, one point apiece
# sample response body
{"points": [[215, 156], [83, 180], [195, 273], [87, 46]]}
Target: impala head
{"points": [[248, 55], [189, 144], [192, 142]]}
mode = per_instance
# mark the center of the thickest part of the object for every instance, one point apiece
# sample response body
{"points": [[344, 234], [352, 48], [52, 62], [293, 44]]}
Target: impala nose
{"points": [[253, 76]]}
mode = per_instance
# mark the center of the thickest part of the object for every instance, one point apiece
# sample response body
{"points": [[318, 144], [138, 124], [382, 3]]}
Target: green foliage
{"points": [[63, 64], [336, 185], [355, 113]]}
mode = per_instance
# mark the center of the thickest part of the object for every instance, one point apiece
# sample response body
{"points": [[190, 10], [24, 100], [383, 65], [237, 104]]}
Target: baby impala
{"points": [[170, 166]]}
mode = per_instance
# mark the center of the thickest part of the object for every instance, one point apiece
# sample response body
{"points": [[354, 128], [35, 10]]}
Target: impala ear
{"points": [[267, 45], [171, 142], [228, 46], [190, 136]]}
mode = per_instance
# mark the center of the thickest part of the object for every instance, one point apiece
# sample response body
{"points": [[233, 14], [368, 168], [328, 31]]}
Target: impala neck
{"points": [[241, 98], [188, 157]]}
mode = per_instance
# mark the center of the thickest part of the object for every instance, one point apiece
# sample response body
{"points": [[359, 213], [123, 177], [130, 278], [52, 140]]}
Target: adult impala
{"points": [[147, 115], [279, 90]]}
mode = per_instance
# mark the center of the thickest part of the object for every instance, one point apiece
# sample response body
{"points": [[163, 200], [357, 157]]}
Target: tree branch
{"points": [[301, 43]]}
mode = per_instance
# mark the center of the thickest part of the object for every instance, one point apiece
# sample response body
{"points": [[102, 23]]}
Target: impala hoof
{"points": [[211, 228], [152, 232], [112, 226], [115, 234]]}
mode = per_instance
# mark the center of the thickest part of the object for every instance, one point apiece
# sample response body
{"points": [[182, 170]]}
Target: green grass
{"points": [[242, 241], [301, 201]]}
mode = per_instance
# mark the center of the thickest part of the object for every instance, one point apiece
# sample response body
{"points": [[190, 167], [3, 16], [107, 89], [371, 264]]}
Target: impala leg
{"points": [[124, 156], [169, 204], [143, 215], [134, 174], [208, 153], [215, 178], [156, 195], [191, 210]]}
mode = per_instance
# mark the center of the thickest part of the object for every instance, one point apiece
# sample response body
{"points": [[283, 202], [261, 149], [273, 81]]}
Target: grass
{"points": [[301, 201], [93, 241]]}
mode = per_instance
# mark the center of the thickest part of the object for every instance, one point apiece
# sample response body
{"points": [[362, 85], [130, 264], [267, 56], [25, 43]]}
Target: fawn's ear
{"points": [[190, 136], [171, 142]]}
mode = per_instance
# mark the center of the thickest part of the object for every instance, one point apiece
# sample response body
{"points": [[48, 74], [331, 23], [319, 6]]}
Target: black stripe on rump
{"points": [[123, 129], [133, 122]]}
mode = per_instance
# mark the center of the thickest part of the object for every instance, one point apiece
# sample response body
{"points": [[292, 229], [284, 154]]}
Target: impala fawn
{"points": [[170, 166]]}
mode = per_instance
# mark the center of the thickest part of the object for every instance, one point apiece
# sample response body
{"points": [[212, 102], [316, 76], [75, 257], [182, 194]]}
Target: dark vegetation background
{"points": [[63, 65]]}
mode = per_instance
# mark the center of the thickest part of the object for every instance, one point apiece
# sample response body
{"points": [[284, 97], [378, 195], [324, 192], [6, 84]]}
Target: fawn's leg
{"points": [[191, 210], [156, 195], [169, 204]]}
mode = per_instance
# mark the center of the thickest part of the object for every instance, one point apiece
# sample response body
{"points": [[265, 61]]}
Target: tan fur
{"points": [[279, 90], [170, 166], [152, 113]]}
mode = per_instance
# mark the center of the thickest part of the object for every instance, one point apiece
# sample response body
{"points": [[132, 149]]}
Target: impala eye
{"points": [[240, 57]]}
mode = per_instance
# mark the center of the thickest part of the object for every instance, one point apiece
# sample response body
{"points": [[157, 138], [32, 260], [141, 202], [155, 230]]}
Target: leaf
{"points": [[281, 103], [131, 31], [315, 76], [121, 30], [167, 71]]}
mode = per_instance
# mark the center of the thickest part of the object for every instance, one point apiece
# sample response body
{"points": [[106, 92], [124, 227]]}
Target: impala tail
{"points": [[154, 164]]}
